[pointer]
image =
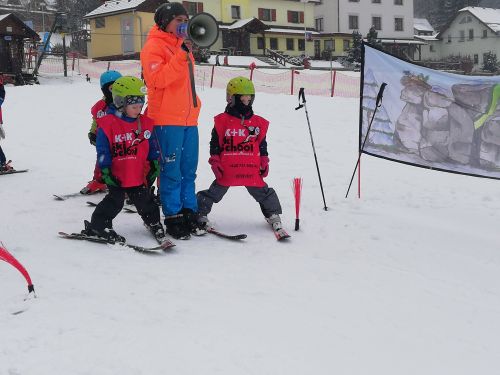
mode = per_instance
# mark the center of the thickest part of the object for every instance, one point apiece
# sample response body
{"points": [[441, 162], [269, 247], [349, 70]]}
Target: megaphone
{"points": [[202, 30]]}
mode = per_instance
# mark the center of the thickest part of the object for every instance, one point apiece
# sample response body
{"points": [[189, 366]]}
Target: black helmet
{"points": [[167, 12]]}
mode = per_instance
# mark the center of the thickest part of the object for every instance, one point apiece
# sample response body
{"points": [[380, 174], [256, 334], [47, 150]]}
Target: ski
{"points": [[233, 237], [63, 197], [125, 208], [12, 171], [140, 249]]}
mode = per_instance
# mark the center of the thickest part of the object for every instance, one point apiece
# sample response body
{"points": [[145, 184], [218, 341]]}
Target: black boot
{"points": [[195, 226], [157, 231], [176, 227], [107, 233]]}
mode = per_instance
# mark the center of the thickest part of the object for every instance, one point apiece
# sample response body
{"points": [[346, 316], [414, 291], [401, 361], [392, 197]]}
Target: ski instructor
{"points": [[168, 69]]}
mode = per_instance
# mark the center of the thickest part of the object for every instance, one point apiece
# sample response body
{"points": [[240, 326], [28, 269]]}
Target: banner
{"points": [[429, 118]]}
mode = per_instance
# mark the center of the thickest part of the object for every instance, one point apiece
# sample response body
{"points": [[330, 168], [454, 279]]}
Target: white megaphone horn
{"points": [[202, 30]]}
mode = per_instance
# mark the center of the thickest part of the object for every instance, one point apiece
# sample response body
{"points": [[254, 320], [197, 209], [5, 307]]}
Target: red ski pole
{"points": [[297, 189], [9, 258]]}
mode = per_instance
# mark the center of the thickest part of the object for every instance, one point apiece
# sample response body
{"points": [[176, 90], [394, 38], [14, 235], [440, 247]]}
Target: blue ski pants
{"points": [[179, 160]]}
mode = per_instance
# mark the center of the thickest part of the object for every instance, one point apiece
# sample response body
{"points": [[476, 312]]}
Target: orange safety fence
{"points": [[273, 81]]}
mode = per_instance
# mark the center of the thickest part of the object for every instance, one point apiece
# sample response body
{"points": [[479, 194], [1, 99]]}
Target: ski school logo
{"points": [[124, 137], [147, 134], [100, 114]]}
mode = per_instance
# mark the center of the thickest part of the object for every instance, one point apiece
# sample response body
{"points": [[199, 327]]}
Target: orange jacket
{"points": [[170, 83]]}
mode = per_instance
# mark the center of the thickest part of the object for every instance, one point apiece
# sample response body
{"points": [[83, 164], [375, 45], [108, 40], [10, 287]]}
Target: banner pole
{"points": [[377, 105], [359, 179]]}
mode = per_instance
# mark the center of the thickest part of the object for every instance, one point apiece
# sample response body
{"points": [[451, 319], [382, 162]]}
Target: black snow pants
{"points": [[265, 196], [113, 202]]}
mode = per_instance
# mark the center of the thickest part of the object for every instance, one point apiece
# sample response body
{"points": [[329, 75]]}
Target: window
{"points": [[376, 1], [476, 59], [431, 48], [354, 1], [100, 22], [346, 44], [302, 45], [273, 42], [377, 23], [319, 24], [260, 43], [462, 36], [398, 24], [329, 45], [449, 38], [235, 12], [290, 44], [295, 17], [471, 34], [193, 7], [485, 33], [267, 14], [398, 2], [353, 22]]}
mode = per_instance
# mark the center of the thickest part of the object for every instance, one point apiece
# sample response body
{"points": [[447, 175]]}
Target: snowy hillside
{"points": [[405, 280]]}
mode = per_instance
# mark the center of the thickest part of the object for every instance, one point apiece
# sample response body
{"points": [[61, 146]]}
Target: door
{"points": [[127, 24], [317, 49]]}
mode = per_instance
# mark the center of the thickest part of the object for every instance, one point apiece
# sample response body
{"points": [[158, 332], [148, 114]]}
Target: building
{"points": [[473, 32], [392, 19], [120, 27], [15, 38]]}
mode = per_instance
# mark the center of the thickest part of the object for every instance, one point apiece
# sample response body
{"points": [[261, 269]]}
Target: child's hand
{"points": [[154, 172], [214, 162], [264, 166], [109, 179], [92, 138]]}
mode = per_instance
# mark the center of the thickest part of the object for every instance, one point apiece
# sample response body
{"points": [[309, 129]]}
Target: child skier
{"points": [[125, 143], [102, 107], [4, 166], [238, 155]]}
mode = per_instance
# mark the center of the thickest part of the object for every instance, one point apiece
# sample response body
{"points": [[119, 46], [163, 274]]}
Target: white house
{"points": [[393, 20], [474, 31]]}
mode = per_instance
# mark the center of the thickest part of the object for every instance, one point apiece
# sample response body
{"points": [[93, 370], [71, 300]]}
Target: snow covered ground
{"points": [[405, 280]]}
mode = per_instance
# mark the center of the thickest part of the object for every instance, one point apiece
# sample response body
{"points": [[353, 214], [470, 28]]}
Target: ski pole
{"points": [[377, 105], [302, 96]]}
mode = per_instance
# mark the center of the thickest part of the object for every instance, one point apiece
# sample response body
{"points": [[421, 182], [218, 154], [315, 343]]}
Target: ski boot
{"points": [[195, 226], [6, 167], [93, 187], [107, 233], [157, 231], [275, 221], [176, 227]]}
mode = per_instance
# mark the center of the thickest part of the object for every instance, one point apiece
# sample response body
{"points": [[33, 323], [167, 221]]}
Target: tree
{"points": [[490, 63], [354, 53], [372, 36]]}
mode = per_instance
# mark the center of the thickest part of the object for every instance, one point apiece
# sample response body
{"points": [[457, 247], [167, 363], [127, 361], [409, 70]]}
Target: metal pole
{"points": [[377, 105]]}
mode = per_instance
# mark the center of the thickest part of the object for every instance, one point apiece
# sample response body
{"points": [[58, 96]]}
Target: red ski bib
{"points": [[129, 148], [240, 156]]}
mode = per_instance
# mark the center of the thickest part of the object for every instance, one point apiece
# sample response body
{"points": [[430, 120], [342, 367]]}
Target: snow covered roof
{"points": [[290, 31], [427, 37], [421, 24], [489, 16], [4, 16], [240, 23], [114, 6]]}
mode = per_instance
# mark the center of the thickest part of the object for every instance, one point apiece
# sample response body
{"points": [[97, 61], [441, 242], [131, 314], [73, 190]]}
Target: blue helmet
{"points": [[109, 76]]}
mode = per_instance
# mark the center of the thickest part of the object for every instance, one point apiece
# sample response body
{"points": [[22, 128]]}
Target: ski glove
{"points": [[92, 138], [2, 132], [264, 166], [154, 172], [109, 179], [216, 166]]}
